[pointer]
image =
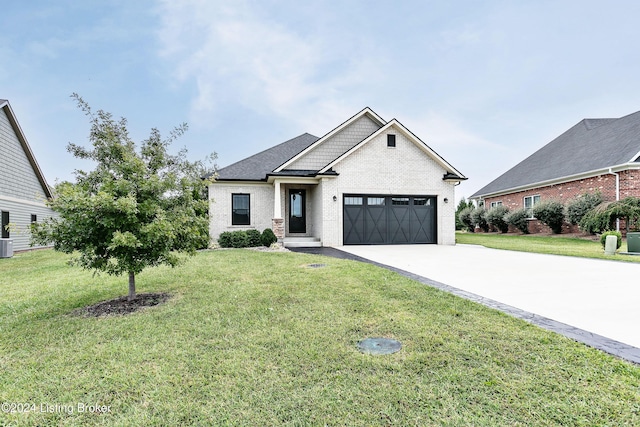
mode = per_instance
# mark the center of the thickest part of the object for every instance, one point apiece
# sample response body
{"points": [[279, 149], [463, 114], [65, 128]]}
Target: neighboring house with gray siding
{"points": [[368, 181], [23, 188]]}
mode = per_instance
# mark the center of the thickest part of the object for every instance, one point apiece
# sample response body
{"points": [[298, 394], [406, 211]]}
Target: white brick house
{"points": [[367, 181]]}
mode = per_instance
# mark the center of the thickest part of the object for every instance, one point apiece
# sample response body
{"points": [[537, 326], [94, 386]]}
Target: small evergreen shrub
{"points": [[268, 237], [479, 217], [495, 218], [464, 217], [550, 213], [578, 207], [233, 239], [463, 204], [603, 238], [224, 240], [253, 238], [518, 219]]}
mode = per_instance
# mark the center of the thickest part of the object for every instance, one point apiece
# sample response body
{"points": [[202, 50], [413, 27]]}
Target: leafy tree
{"points": [[550, 213], [602, 217], [463, 204], [136, 209], [496, 218]]}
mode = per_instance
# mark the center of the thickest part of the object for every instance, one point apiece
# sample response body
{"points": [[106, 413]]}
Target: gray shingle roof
{"points": [[256, 167], [590, 145]]}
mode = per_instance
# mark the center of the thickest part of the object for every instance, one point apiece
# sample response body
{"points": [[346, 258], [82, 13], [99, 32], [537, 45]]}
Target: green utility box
{"points": [[633, 242]]}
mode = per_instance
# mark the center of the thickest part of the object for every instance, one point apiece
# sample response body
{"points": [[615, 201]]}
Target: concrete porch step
{"points": [[302, 242]]}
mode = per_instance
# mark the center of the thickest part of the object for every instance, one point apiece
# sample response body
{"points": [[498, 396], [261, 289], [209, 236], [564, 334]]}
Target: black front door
{"points": [[297, 217]]}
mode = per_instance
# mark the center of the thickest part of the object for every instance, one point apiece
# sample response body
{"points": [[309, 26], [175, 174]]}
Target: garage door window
{"points": [[400, 201], [353, 201], [375, 201], [421, 201]]}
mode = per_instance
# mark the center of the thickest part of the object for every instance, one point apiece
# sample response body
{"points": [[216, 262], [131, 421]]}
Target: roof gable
{"points": [[30, 179], [310, 156], [451, 172], [589, 146], [336, 142]]}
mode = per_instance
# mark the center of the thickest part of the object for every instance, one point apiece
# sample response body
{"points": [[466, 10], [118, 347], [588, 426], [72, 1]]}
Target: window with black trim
{"points": [[5, 224], [241, 209], [391, 140]]}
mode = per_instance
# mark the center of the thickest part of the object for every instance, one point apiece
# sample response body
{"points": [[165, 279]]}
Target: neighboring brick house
{"points": [[23, 189], [367, 181], [595, 155]]}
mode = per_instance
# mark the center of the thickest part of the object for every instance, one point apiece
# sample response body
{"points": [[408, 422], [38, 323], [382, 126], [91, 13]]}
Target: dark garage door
{"points": [[385, 220]]}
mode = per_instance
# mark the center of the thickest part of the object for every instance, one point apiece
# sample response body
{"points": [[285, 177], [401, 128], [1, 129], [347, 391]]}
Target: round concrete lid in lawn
{"points": [[379, 346]]}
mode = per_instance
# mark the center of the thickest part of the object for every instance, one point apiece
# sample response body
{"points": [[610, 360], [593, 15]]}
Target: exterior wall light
{"points": [[446, 200], [335, 198]]}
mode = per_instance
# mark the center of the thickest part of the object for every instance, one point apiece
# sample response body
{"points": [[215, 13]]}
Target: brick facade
{"points": [[374, 168], [629, 183]]}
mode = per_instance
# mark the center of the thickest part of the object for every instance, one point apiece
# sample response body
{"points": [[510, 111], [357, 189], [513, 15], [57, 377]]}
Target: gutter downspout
{"points": [[617, 194]]}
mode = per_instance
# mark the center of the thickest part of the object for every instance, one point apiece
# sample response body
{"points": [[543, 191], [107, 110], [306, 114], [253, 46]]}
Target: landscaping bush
{"points": [[253, 238], [224, 239], [550, 213], [578, 207], [462, 206], [597, 219], [518, 219], [495, 218], [464, 216], [479, 218], [603, 238], [233, 239], [602, 217], [268, 237]]}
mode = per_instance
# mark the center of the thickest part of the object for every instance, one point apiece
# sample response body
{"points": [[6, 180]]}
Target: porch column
{"points": [[277, 221]]}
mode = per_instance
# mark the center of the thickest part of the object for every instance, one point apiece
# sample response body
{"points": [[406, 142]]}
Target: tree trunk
{"points": [[132, 287]]}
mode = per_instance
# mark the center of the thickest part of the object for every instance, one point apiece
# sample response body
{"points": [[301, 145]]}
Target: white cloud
{"points": [[241, 55]]}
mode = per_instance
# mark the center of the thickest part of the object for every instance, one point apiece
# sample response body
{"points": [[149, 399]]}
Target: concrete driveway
{"points": [[598, 296]]}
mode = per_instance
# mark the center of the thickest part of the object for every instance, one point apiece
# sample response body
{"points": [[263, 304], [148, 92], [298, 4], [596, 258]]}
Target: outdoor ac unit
{"points": [[6, 248]]}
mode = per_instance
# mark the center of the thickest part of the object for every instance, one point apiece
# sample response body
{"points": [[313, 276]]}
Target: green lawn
{"points": [[253, 338], [558, 245]]}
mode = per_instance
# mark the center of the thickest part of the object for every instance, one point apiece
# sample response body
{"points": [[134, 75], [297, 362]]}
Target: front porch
{"points": [[298, 210]]}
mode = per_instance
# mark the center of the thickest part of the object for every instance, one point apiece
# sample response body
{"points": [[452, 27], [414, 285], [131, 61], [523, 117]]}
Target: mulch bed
{"points": [[121, 306]]}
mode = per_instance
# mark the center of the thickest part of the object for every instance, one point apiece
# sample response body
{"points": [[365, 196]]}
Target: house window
{"points": [[5, 224], [391, 140], [241, 209], [494, 204], [34, 218], [529, 203]]}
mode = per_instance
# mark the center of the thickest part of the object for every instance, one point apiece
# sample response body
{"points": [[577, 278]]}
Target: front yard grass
{"points": [[555, 245], [254, 338]]}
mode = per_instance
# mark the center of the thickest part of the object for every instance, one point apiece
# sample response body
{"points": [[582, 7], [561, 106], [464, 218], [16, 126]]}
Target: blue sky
{"points": [[484, 84]]}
